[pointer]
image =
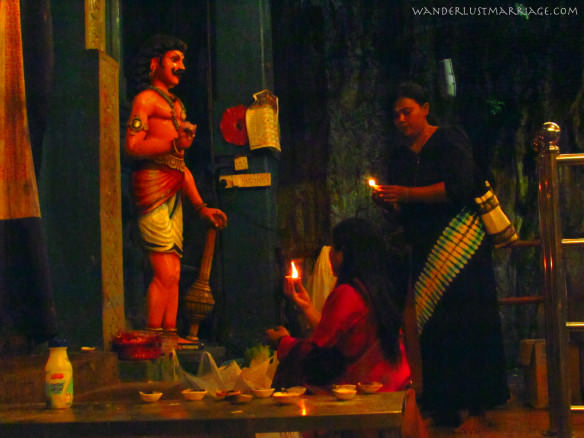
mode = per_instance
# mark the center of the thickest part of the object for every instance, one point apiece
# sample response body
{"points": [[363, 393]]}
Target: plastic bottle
{"points": [[58, 376]]}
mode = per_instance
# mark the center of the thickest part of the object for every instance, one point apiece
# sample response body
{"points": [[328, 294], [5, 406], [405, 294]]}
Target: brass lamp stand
{"points": [[199, 299]]}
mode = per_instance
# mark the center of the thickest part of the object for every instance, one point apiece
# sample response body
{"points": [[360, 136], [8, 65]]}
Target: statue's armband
{"points": [[136, 125]]}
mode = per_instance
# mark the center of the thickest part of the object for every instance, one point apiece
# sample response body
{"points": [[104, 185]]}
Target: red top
{"points": [[348, 324]]}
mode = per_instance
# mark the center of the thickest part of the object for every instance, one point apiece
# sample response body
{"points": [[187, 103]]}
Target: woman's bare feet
{"points": [[473, 424]]}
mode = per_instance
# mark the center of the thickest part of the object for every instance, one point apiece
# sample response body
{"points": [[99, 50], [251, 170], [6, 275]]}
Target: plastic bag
{"points": [[213, 378], [231, 377], [258, 375]]}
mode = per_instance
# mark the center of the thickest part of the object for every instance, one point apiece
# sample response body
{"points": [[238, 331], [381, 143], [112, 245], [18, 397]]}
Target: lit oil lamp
{"points": [[372, 183], [294, 274]]}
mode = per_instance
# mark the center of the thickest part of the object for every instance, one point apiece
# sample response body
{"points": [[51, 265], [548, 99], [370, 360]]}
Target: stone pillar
{"points": [[80, 178], [242, 53]]}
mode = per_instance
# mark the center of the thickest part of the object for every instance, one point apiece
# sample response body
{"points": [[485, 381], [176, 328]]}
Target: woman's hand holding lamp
{"points": [[376, 194], [291, 280], [294, 290], [294, 273]]}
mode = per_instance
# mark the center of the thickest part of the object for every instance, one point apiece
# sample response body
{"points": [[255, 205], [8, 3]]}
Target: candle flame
{"points": [[293, 270], [372, 182]]}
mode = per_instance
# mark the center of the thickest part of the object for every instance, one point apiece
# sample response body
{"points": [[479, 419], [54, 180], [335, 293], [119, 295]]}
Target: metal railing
{"points": [[554, 291]]}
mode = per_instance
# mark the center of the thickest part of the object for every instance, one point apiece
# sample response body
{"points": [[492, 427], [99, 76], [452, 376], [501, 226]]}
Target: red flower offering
{"points": [[137, 345]]}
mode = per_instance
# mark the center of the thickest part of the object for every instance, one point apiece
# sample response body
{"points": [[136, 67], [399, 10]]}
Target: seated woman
{"points": [[357, 337]]}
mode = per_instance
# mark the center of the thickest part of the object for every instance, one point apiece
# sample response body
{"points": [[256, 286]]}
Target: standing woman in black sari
{"points": [[432, 181]]}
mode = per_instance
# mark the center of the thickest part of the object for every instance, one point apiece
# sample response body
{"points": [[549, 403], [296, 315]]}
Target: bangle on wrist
{"points": [[200, 207]]}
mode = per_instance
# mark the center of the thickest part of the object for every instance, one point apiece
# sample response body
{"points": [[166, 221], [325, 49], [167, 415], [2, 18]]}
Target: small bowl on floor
{"points": [[194, 394], [286, 398], [345, 386], [369, 387], [344, 393], [300, 390], [263, 392], [150, 397]]}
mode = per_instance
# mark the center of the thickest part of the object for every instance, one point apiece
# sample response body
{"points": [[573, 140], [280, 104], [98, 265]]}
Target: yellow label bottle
{"points": [[58, 376]]}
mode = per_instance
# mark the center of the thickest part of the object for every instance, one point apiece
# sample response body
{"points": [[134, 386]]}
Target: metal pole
{"points": [[571, 159], [554, 281]]}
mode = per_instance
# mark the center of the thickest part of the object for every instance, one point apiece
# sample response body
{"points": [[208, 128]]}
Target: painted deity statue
{"points": [[156, 137]]}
